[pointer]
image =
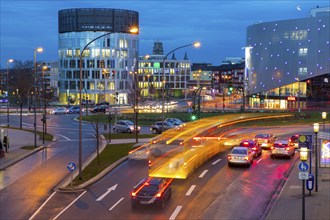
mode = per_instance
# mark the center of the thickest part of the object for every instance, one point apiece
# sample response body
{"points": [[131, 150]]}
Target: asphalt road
{"points": [[211, 191]]}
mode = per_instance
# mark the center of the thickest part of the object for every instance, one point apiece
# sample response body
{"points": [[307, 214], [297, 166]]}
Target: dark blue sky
{"points": [[219, 25]]}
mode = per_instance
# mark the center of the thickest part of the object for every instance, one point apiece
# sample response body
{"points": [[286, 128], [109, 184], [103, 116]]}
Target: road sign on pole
{"points": [[71, 166], [303, 166], [303, 175]]}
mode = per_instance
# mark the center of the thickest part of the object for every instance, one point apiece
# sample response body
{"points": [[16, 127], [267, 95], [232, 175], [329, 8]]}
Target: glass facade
{"points": [[106, 64]]}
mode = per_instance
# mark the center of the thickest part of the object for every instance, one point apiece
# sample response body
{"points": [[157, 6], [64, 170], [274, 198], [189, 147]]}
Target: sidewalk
{"points": [[288, 204], [18, 139]]}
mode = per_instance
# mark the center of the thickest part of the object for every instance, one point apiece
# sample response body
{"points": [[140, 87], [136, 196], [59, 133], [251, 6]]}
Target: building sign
{"points": [[291, 98], [325, 153]]}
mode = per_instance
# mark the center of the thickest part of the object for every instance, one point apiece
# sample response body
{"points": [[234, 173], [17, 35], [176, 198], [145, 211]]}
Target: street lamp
{"points": [[303, 158], [196, 45], [44, 123], [39, 50], [324, 117], [8, 62], [133, 30], [316, 127], [298, 93]]}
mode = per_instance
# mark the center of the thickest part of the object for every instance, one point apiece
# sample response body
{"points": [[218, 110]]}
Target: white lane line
{"points": [[259, 160], [69, 205], [217, 161], [106, 192], [42, 206], [112, 207], [176, 212], [190, 190], [202, 174], [63, 136]]}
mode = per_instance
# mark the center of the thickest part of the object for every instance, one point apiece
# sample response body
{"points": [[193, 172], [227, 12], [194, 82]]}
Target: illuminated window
{"points": [[302, 51], [302, 70], [69, 53], [123, 43]]}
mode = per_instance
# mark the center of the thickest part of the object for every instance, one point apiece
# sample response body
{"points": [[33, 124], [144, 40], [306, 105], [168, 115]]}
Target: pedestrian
{"points": [[2, 152], [6, 142]]}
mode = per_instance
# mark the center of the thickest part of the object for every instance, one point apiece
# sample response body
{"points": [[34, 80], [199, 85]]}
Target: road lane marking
{"points": [[42, 206], [63, 136], [202, 174], [69, 205], [217, 161], [176, 212], [259, 160], [112, 207], [190, 190], [106, 193]]}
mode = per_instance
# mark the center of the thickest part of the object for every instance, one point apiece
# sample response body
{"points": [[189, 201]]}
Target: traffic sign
{"points": [[303, 175], [305, 141], [71, 166], [303, 166]]}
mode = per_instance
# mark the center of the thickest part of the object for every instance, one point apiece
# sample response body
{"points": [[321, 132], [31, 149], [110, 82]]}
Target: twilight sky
{"points": [[220, 25]]}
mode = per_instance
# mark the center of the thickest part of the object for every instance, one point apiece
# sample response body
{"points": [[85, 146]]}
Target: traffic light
{"points": [[193, 117], [230, 89], [116, 97]]}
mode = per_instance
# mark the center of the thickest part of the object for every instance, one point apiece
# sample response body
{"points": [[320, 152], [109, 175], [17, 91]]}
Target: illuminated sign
{"points": [[325, 153], [291, 98]]}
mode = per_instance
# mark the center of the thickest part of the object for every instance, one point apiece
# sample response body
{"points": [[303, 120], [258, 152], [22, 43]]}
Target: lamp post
{"points": [[316, 127], [298, 93], [8, 62], [195, 44], [44, 123], [133, 31], [324, 117], [303, 158], [37, 50]]}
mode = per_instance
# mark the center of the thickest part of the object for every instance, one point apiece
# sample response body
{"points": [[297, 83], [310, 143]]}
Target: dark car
{"points": [[151, 191], [255, 147], [101, 108], [74, 110], [294, 141], [156, 128]]}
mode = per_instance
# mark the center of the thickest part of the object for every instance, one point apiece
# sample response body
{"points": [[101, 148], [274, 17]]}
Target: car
{"points": [[294, 141], [59, 111], [74, 110], [265, 140], [125, 126], [100, 108], [282, 148], [240, 156], [156, 128], [255, 147], [175, 121], [151, 191]]}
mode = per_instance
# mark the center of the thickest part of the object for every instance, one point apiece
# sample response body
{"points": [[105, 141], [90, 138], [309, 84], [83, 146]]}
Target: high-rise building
{"points": [[106, 62]]}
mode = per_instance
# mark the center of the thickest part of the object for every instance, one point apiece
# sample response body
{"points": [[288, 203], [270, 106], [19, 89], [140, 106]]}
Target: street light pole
{"points": [[8, 61], [39, 50], [298, 94], [195, 44], [316, 127], [133, 31]]}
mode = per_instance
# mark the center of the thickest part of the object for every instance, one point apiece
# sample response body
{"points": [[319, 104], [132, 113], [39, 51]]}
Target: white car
{"points": [[59, 111], [240, 156]]}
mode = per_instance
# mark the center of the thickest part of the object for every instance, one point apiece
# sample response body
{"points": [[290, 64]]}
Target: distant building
{"points": [[289, 60], [177, 74], [108, 64]]}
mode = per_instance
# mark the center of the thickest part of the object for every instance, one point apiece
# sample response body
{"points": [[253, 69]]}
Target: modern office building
{"points": [[177, 74], [106, 62], [288, 62]]}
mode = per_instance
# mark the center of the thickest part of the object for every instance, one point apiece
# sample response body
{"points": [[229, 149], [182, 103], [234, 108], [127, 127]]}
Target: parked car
{"points": [[175, 121], [240, 156], [282, 148], [294, 141], [74, 110], [265, 140], [151, 191], [100, 108], [156, 128], [125, 126], [255, 147], [59, 111]]}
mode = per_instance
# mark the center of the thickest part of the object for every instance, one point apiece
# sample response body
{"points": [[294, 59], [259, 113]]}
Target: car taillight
{"points": [[149, 162], [254, 148], [229, 157], [133, 194], [272, 148], [246, 158], [287, 148], [158, 195]]}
